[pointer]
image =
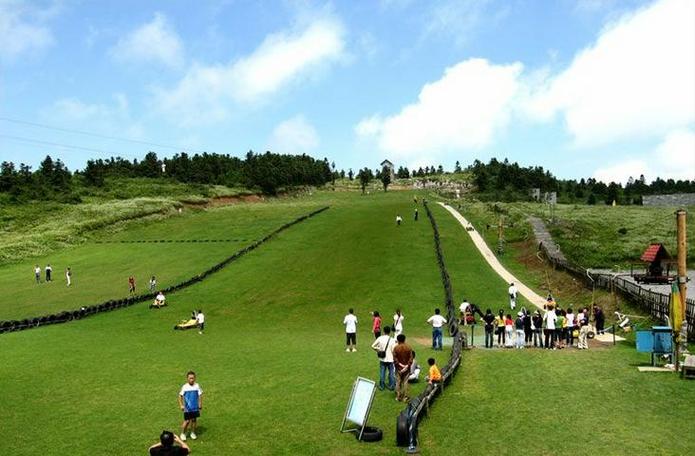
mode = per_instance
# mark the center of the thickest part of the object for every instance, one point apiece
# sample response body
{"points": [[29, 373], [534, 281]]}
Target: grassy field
{"points": [[272, 360], [592, 236]]}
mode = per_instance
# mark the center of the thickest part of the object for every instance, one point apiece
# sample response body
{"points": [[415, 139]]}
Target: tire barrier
{"points": [[106, 306], [657, 304], [418, 407]]}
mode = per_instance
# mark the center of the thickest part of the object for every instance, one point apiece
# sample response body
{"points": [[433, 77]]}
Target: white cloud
{"points": [[462, 110], [456, 20], [294, 136], [673, 158], [283, 58], [21, 30], [635, 81], [155, 41]]}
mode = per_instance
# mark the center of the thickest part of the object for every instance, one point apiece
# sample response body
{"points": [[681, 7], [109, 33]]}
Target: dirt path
{"points": [[533, 297]]}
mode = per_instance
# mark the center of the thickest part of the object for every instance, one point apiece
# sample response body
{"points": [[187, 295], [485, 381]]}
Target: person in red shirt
{"points": [[376, 324]]}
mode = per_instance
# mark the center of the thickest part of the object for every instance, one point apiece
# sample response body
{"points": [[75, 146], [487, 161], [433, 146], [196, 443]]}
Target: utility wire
{"points": [[48, 143], [96, 135]]}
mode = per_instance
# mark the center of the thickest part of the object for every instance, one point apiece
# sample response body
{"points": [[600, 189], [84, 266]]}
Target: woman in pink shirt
{"points": [[376, 324]]}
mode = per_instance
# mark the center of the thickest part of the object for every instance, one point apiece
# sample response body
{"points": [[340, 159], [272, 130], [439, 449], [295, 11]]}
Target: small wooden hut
{"points": [[657, 265]]}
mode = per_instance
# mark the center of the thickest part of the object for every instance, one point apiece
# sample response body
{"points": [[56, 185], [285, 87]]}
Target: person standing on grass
{"points": [[512, 295], [599, 319], [528, 332], [153, 284], [519, 326], [583, 319], [169, 445], [416, 214], [49, 271], [399, 220], [403, 359], [570, 318], [350, 322], [434, 376], [131, 284], [489, 320], [463, 309], [549, 319], [376, 324], [500, 329], [437, 321], [68, 276], [200, 320], [190, 403], [37, 273], [384, 345], [509, 331], [537, 327], [560, 329], [398, 323]]}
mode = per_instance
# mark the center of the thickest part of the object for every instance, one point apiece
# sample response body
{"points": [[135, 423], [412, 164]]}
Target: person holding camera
{"points": [[169, 445]]}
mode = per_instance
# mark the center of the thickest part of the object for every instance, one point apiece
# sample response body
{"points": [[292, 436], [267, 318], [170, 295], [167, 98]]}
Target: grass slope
{"points": [[272, 361], [101, 271]]}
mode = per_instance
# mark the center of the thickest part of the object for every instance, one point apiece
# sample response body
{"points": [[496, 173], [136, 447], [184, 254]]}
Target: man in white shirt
{"points": [[437, 321], [37, 274], [200, 318], [350, 322], [384, 344], [550, 319], [512, 295]]}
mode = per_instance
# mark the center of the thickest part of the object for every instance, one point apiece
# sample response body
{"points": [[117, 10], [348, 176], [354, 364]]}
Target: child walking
{"points": [[191, 403]]}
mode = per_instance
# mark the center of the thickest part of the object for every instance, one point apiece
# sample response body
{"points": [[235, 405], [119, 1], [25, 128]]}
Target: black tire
{"points": [[590, 335], [402, 437], [370, 434]]}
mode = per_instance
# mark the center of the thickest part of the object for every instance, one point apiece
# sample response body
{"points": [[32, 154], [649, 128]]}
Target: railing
{"points": [[69, 315], [657, 304], [418, 407]]}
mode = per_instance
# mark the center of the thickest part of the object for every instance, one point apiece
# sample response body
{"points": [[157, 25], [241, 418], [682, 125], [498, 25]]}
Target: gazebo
{"points": [[658, 265]]}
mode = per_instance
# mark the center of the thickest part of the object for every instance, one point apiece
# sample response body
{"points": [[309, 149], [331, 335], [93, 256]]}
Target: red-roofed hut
{"points": [[658, 266]]}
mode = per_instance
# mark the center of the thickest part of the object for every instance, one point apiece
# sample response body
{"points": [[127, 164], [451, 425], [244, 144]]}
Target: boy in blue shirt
{"points": [[190, 402]]}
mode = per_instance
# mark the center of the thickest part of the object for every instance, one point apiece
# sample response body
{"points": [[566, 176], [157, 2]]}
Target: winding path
{"points": [[533, 297]]}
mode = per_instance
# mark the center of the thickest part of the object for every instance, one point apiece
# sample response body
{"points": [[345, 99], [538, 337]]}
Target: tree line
{"points": [[505, 181], [267, 172]]}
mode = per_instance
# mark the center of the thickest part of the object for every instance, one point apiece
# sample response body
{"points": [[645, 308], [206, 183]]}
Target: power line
{"points": [[97, 135], [48, 143]]}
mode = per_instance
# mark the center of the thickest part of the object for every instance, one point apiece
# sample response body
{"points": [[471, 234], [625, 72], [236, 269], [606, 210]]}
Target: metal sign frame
{"points": [[352, 402]]}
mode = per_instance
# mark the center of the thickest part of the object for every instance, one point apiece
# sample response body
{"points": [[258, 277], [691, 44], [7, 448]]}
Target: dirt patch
{"points": [[227, 200], [427, 342]]}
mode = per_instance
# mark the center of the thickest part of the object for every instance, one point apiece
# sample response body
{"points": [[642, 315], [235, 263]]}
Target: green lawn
{"points": [[101, 270], [272, 360]]}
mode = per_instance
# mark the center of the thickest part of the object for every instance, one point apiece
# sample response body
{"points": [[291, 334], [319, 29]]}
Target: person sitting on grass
{"points": [[169, 445], [159, 301], [434, 375], [415, 370]]}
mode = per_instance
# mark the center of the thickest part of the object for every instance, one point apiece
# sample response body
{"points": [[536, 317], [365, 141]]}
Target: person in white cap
{"points": [[519, 326]]}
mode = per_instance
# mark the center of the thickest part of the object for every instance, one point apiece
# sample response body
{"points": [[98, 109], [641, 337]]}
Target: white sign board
{"points": [[360, 401]]}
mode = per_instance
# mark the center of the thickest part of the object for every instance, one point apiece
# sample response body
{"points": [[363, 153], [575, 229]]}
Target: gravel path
{"points": [[492, 260]]}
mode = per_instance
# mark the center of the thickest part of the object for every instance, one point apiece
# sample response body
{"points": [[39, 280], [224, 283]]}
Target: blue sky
{"points": [[602, 88]]}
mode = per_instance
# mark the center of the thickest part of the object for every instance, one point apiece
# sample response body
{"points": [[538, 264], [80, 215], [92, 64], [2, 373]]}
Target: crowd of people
{"points": [[553, 328]]}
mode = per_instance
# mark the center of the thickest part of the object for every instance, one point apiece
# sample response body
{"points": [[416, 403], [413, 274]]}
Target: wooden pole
{"points": [[682, 254], [682, 272]]}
